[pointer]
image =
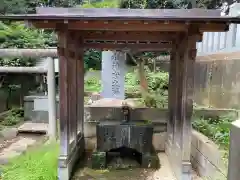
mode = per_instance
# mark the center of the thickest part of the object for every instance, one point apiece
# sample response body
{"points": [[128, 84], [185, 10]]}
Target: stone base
{"points": [[98, 160], [159, 140], [67, 163], [136, 135], [150, 161]]}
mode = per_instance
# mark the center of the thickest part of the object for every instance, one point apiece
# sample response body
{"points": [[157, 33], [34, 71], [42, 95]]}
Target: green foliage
{"points": [[102, 4], [62, 3], [159, 4], [37, 164], [13, 117], [157, 81], [216, 128], [168, 4], [209, 4], [11, 120], [153, 4], [19, 112], [93, 84], [17, 35], [18, 6], [27, 6], [158, 87], [133, 4], [92, 59]]}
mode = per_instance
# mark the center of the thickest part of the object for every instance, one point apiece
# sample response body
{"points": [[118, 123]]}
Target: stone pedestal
{"points": [[113, 74], [130, 135], [134, 136]]}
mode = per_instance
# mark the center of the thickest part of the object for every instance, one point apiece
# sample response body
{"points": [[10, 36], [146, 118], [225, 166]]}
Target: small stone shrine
{"points": [[136, 30], [130, 138]]}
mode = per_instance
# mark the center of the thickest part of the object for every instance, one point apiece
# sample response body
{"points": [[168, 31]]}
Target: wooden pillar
{"points": [[63, 96], [172, 92], [80, 87], [181, 105], [71, 81]]}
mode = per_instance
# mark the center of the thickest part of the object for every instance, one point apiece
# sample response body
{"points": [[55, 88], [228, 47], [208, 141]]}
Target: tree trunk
{"points": [[143, 80]]}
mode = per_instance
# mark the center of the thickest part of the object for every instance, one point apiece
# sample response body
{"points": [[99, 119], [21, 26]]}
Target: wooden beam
{"points": [[213, 27], [132, 36], [116, 25], [128, 36], [138, 47]]}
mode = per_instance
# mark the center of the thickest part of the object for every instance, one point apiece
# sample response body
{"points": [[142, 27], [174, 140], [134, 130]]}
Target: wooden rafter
{"points": [[117, 25], [154, 26]]}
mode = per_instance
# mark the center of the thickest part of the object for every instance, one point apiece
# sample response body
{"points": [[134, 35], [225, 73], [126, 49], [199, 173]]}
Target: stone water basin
{"points": [[122, 142]]}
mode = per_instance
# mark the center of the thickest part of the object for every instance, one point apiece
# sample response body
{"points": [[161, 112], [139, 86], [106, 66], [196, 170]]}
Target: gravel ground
{"points": [[164, 173], [7, 143]]}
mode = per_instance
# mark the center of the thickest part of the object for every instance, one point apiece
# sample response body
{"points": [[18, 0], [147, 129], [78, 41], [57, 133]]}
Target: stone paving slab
{"points": [[15, 149], [29, 127], [9, 133], [164, 172]]}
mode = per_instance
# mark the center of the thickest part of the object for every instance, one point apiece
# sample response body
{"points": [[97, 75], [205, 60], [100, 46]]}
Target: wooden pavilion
{"points": [[175, 30]]}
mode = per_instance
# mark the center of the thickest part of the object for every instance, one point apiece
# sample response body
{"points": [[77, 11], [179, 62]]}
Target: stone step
{"points": [[30, 127]]}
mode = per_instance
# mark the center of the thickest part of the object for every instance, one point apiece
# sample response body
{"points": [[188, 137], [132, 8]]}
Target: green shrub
{"points": [[13, 117], [93, 84], [217, 129], [157, 86]]}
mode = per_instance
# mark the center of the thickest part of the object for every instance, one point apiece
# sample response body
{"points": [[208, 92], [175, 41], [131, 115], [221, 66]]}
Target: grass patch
{"points": [[36, 164]]}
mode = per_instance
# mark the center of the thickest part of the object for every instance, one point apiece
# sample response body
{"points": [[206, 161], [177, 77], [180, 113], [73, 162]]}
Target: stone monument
{"points": [[113, 74]]}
